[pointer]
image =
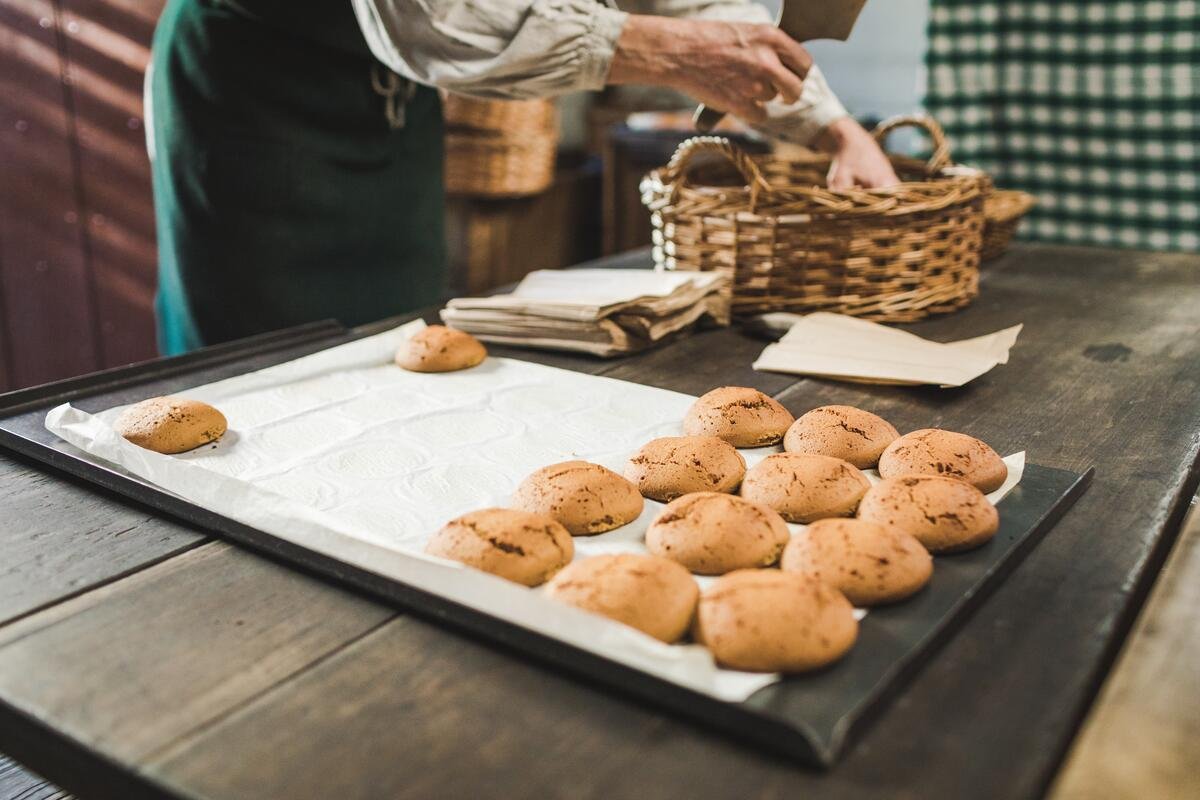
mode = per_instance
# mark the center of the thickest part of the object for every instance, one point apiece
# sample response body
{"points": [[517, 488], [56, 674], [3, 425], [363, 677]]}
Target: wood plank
{"points": [[46, 280], [1142, 738], [61, 536], [17, 783], [107, 45], [196, 636]]}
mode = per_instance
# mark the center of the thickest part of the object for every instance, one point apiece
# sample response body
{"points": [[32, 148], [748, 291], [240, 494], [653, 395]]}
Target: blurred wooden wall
{"points": [[77, 255]]}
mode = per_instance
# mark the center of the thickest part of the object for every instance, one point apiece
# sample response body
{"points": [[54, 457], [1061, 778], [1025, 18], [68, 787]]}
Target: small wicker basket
{"points": [[1003, 210], [789, 244], [499, 148]]}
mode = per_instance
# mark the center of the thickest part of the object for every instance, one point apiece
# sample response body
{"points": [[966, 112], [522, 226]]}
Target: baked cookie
{"points": [[586, 498], [522, 547], [672, 466], [652, 594], [933, 451], [869, 563], [945, 514], [764, 620], [844, 432], [712, 533], [436, 348], [170, 424], [803, 488], [743, 417]]}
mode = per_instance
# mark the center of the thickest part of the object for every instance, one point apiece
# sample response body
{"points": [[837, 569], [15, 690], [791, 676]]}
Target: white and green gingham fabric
{"points": [[1094, 107]]}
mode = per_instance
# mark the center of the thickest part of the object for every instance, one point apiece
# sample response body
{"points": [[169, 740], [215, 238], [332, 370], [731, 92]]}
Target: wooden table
{"points": [[140, 658]]}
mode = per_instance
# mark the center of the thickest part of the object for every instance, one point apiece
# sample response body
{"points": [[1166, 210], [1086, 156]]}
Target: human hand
{"points": [[728, 66], [858, 159]]}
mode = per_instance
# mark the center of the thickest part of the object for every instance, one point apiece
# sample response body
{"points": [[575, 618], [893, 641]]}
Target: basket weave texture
{"points": [[499, 148], [790, 244], [1002, 212]]}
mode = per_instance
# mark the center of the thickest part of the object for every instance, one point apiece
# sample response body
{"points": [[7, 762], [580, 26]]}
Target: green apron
{"points": [[286, 188]]}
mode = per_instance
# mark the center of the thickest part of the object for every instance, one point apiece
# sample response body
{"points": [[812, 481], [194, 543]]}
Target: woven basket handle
{"points": [[941, 148], [676, 172]]}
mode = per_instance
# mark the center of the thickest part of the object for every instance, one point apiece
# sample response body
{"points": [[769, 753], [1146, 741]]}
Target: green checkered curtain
{"points": [[1094, 107]]}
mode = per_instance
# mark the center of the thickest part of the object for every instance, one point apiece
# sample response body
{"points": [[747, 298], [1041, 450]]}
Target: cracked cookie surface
{"points": [[670, 467], [586, 498], [436, 348], [870, 563], [844, 432], [945, 514], [764, 620], [524, 548], [654, 595], [171, 424], [804, 488], [933, 451], [711, 533], [741, 416]]}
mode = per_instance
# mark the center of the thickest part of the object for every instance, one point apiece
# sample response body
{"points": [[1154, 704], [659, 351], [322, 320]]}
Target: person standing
{"points": [[296, 148]]}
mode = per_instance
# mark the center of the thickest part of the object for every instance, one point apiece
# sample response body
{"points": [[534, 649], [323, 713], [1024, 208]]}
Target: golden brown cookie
{"points": [[586, 498], [672, 466], [436, 348], [170, 424], [743, 417], [522, 547], [764, 620], [945, 514], [869, 563], [803, 488], [712, 533], [652, 594], [844, 432], [933, 451]]}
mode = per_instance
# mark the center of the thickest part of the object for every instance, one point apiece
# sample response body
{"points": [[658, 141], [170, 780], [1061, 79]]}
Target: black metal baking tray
{"points": [[808, 717]]}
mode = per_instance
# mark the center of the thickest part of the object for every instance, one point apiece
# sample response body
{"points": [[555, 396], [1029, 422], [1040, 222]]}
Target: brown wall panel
{"points": [[45, 281], [107, 48]]}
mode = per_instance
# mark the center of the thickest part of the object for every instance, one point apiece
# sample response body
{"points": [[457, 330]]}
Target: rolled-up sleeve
{"points": [[494, 48], [542, 48]]}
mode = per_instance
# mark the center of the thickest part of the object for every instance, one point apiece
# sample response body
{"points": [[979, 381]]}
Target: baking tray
{"points": [[809, 717]]}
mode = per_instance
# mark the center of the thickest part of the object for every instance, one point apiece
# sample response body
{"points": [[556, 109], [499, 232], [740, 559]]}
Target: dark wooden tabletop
{"points": [[138, 656]]}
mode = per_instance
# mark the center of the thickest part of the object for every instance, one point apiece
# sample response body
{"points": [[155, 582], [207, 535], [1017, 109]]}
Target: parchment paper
{"points": [[346, 454]]}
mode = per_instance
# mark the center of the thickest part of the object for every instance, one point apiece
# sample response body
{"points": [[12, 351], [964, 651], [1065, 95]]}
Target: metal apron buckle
{"points": [[395, 90]]}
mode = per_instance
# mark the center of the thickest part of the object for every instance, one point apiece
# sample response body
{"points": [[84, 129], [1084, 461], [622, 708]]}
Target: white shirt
{"points": [[541, 48]]}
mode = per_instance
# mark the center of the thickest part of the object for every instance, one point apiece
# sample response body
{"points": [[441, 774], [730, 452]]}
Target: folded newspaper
{"points": [[606, 312]]}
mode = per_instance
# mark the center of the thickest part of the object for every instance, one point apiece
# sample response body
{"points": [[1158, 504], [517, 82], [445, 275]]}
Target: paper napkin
{"points": [[836, 346]]}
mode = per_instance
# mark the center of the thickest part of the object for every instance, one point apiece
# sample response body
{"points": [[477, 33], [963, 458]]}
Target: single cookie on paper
{"points": [[436, 348], [171, 424], [765, 620], [524, 548], [844, 432], [586, 498], [871, 564], [933, 451], [804, 488], [945, 514], [673, 466], [654, 595], [741, 416], [711, 533]]}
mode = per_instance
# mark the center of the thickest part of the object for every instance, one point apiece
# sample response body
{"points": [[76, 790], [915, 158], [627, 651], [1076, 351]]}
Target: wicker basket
{"points": [[503, 117], [789, 244], [499, 148], [1002, 213]]}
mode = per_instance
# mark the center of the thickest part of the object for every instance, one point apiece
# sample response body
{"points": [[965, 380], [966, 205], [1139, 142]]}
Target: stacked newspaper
{"points": [[606, 312]]}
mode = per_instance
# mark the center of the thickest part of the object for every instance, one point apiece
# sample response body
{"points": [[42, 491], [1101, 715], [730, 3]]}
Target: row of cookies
{"points": [[705, 529]]}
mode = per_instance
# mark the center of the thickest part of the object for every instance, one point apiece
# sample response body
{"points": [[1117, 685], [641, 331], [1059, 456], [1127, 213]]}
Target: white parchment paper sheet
{"points": [[346, 454]]}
